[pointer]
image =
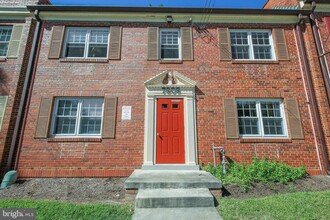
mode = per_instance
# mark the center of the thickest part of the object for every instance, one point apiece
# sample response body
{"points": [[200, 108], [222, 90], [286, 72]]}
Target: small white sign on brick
{"points": [[126, 113]]}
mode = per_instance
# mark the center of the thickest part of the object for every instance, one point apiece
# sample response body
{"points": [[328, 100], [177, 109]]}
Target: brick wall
{"points": [[12, 75], [276, 3], [323, 102], [124, 78]]}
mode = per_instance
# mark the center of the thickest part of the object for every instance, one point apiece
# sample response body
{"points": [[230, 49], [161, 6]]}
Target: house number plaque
{"points": [[171, 90]]}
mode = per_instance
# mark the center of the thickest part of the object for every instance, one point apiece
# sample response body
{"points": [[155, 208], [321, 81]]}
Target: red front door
{"points": [[170, 132]]}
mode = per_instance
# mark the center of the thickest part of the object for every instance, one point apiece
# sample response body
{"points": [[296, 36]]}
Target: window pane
{"points": [[270, 109], [262, 52], [246, 109], [92, 107], [76, 41], [75, 50], [97, 50], [239, 45], [261, 45], [272, 118], [240, 52], [90, 125], [273, 126], [77, 36], [65, 125], [247, 118], [169, 40], [91, 116], [248, 126], [170, 52], [3, 49], [5, 34], [99, 36], [98, 43], [67, 108]]}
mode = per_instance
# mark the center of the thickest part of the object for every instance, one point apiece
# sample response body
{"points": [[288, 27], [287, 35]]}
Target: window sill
{"points": [[3, 59], [255, 62], [84, 60], [265, 140], [170, 61], [74, 139]]}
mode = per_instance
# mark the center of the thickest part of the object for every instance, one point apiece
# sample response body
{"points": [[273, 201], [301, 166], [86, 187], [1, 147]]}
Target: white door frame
{"points": [[184, 90]]}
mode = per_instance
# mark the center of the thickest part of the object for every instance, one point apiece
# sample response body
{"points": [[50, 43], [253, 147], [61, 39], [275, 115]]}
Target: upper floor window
{"points": [[251, 45], [261, 118], [170, 45], [77, 117], [5, 34], [86, 42]]}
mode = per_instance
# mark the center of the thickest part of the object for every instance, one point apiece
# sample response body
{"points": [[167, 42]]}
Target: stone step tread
{"points": [[171, 198], [174, 193], [209, 213], [141, 179]]}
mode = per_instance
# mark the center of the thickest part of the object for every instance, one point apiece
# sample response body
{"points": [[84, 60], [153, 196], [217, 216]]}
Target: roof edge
{"points": [[166, 10]]}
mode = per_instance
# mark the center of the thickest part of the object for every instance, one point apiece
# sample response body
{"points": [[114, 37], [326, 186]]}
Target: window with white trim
{"points": [[261, 118], [77, 117], [252, 45], [86, 43], [5, 34], [170, 44], [3, 102]]}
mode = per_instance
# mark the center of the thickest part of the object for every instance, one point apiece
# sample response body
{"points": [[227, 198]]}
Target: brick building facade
{"points": [[115, 89]]}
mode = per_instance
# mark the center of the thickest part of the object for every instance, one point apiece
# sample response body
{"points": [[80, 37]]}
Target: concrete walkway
{"points": [[173, 195]]}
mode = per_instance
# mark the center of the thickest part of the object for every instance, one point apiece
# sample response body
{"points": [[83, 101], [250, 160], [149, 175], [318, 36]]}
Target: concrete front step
{"points": [[171, 167], [206, 213], [171, 198], [143, 179]]}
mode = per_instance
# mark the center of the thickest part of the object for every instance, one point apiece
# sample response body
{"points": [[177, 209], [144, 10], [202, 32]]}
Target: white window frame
{"points": [[249, 33], [260, 122], [6, 27], [3, 111], [88, 29], [77, 126], [160, 42]]}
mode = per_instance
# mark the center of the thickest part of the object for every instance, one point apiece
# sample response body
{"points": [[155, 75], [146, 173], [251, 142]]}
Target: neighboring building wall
{"points": [[23, 2], [124, 79], [12, 72], [324, 102], [319, 86], [280, 3]]}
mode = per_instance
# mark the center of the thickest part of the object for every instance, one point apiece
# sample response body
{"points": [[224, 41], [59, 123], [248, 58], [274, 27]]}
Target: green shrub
{"points": [[263, 171]]}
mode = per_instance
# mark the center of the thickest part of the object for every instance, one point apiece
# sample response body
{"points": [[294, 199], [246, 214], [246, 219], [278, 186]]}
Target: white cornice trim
{"points": [[14, 13], [160, 17]]}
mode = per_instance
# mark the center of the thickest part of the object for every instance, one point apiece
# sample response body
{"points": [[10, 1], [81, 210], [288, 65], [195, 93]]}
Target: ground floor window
{"points": [[77, 117], [261, 118]]}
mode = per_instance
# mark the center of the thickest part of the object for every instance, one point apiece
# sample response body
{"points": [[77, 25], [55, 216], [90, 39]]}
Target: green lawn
{"points": [[63, 210], [302, 205]]}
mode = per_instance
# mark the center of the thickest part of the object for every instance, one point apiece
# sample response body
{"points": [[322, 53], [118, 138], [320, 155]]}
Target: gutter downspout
{"points": [[39, 28], [317, 38], [312, 96], [26, 87]]}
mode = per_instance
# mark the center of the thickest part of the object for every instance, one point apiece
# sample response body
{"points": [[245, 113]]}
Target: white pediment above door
{"points": [[170, 78]]}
